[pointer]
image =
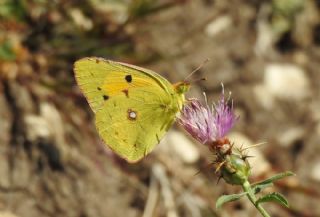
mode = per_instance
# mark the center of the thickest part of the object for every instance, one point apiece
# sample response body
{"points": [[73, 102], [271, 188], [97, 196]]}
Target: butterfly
{"points": [[134, 107]]}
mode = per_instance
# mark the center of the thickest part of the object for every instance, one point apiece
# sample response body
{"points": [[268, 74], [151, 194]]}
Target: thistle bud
{"points": [[235, 169]]}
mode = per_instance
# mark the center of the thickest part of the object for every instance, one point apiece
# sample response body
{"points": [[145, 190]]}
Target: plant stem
{"points": [[247, 188]]}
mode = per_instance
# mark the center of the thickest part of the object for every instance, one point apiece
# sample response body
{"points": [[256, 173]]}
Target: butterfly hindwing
{"points": [[138, 124]]}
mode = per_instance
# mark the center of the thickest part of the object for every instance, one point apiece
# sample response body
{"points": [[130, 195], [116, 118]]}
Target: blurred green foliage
{"points": [[284, 13], [12, 9], [6, 51], [70, 29], [140, 8]]}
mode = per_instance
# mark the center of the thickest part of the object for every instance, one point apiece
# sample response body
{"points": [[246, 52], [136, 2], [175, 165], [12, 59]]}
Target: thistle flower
{"points": [[209, 126], [205, 124]]}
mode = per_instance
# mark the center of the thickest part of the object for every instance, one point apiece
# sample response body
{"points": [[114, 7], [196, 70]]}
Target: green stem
{"points": [[247, 188]]}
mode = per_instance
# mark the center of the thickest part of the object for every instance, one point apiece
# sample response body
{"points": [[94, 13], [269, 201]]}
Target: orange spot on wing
{"points": [[126, 92]]}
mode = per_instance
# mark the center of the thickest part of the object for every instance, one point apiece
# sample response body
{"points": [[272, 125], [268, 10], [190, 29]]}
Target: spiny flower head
{"points": [[205, 124], [197, 120]]}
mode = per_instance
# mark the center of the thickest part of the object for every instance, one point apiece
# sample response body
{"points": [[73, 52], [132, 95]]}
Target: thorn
{"points": [[208, 166], [247, 156], [219, 166], [219, 179], [241, 146], [255, 145]]}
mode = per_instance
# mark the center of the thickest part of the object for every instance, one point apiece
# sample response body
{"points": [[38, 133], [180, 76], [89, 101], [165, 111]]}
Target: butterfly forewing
{"points": [[101, 79]]}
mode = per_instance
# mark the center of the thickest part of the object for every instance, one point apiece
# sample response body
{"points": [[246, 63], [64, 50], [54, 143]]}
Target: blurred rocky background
{"points": [[52, 163]]}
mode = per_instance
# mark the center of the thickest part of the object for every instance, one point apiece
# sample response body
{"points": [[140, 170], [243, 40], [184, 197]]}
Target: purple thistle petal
{"points": [[208, 125], [197, 120], [224, 117]]}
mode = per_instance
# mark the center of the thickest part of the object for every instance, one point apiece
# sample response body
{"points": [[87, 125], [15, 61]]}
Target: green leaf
{"points": [[228, 198], [139, 8], [259, 187], [6, 51], [274, 178], [274, 197]]}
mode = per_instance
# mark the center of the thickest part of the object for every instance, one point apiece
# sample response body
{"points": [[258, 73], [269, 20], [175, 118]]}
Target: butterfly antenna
{"points": [[197, 69], [197, 80]]}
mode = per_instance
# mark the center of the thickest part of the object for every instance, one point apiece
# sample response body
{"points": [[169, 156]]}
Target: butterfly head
{"points": [[182, 87]]}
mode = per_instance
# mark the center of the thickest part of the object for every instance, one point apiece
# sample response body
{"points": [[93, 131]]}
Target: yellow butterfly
{"points": [[133, 106]]}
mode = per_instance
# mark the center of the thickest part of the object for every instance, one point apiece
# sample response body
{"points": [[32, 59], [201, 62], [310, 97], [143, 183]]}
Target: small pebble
{"points": [[263, 96], [37, 127], [315, 171], [291, 135], [218, 25], [286, 81], [182, 147]]}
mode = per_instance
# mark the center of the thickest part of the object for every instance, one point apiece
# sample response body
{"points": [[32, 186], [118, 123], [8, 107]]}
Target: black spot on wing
{"points": [[99, 88], [105, 97], [128, 78]]}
